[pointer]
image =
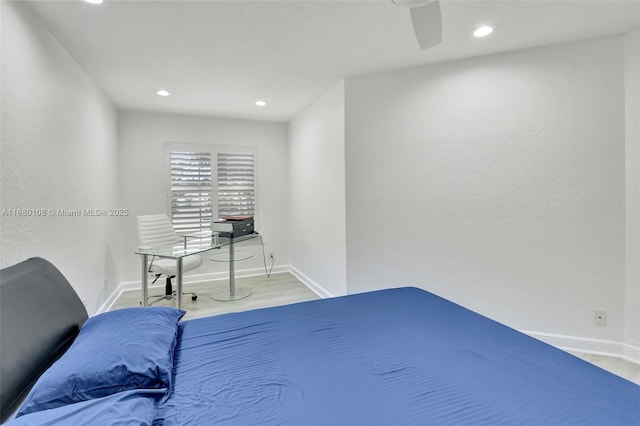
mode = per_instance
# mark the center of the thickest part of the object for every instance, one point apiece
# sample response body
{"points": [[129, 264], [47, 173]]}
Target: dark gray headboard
{"points": [[40, 315]]}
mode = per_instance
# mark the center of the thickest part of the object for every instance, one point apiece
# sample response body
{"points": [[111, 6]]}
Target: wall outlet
{"points": [[600, 317]]}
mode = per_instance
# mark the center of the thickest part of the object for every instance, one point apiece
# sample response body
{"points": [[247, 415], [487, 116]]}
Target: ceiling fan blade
{"points": [[427, 24]]}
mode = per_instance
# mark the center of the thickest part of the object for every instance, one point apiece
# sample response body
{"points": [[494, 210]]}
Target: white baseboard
{"points": [[589, 346], [110, 300], [313, 286], [630, 353]]}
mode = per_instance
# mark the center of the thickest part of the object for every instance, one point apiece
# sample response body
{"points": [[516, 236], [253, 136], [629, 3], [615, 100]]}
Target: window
{"points": [[191, 206], [236, 184], [202, 190]]}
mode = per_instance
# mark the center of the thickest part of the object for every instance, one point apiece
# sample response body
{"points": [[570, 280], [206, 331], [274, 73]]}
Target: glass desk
{"points": [[190, 246]]}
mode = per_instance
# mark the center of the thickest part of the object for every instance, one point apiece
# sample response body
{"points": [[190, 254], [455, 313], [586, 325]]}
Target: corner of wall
{"points": [[317, 191], [632, 187]]}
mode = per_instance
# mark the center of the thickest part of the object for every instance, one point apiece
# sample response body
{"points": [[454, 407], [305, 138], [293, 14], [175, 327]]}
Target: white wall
{"points": [[59, 151], [497, 182], [317, 193], [632, 136], [142, 137]]}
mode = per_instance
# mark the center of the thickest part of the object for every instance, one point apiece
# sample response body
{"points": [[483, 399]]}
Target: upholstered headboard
{"points": [[40, 315]]}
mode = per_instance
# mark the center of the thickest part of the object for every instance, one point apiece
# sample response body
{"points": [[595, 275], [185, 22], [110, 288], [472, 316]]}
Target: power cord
{"points": [[264, 259]]}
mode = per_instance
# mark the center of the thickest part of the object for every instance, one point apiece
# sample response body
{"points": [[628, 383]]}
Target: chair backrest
{"points": [[155, 230]]}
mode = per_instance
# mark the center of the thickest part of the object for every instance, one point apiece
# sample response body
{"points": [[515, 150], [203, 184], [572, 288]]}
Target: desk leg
{"points": [[144, 280], [179, 282], [232, 270], [234, 293]]}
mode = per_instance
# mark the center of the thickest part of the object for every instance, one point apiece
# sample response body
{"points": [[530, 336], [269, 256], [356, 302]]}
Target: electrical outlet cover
{"points": [[600, 317]]}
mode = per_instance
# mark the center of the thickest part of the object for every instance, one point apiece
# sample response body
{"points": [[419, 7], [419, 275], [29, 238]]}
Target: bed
{"points": [[400, 356]]}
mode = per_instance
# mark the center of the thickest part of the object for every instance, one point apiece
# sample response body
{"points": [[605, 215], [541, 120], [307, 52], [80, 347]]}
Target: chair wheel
{"points": [[194, 297]]}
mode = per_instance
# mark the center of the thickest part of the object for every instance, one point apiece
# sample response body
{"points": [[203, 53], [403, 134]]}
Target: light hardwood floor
{"points": [[278, 289], [283, 289], [621, 367]]}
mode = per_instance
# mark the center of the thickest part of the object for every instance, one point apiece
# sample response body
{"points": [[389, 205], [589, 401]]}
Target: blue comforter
{"points": [[392, 357]]}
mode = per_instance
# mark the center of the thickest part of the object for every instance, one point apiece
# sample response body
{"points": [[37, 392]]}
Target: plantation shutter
{"points": [[191, 191], [236, 184]]}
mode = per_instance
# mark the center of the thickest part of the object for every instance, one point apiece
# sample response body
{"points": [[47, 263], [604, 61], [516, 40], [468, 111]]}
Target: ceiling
{"points": [[219, 57]]}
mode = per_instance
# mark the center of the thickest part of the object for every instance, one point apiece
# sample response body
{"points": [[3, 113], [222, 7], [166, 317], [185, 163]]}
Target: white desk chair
{"points": [[156, 231]]}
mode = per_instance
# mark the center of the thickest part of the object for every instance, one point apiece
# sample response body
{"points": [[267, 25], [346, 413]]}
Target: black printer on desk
{"points": [[237, 226]]}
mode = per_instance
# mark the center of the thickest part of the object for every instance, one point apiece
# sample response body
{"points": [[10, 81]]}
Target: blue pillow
{"points": [[116, 351], [135, 407]]}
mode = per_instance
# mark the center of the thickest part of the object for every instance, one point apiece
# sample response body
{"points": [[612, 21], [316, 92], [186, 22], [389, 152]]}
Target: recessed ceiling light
{"points": [[162, 92], [261, 103], [484, 30], [95, 1]]}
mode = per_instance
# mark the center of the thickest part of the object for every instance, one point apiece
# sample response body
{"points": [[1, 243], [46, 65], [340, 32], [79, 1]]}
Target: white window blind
{"points": [[191, 191], [236, 184]]}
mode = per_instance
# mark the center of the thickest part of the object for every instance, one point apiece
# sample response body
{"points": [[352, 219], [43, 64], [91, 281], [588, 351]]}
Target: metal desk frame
{"points": [[180, 251]]}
